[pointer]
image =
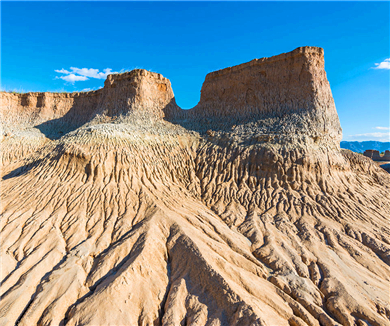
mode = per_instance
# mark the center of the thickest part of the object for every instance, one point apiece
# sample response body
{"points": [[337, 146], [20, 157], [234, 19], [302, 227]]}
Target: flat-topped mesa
{"points": [[137, 91], [290, 86]]}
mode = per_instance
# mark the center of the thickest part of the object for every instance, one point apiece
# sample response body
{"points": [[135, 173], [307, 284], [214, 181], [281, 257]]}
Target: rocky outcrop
{"points": [[376, 156], [29, 120], [138, 92], [239, 211], [135, 92], [285, 95]]}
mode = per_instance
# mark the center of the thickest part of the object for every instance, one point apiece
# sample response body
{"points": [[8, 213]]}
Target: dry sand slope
{"points": [[119, 208]]}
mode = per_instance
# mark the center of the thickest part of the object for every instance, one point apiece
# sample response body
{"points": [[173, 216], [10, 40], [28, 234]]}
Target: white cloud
{"points": [[71, 78], [81, 74], [382, 128], [92, 73], [63, 71], [385, 64], [378, 136]]}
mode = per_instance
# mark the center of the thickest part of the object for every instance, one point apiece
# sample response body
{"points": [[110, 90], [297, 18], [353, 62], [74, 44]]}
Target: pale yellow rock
{"points": [[119, 208]]}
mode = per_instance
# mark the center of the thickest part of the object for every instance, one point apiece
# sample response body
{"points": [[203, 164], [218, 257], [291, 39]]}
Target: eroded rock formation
{"points": [[119, 208], [376, 156]]}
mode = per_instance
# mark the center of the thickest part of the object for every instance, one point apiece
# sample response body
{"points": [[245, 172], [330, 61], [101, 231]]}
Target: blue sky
{"points": [[44, 41]]}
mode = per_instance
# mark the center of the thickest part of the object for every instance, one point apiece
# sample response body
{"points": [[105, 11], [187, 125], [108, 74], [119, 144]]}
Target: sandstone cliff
{"points": [[119, 208]]}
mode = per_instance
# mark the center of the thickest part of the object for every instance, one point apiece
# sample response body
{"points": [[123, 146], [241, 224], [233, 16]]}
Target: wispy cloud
{"points": [[92, 73], [382, 128], [71, 78], [63, 71], [378, 136], [81, 74], [385, 64], [91, 89]]}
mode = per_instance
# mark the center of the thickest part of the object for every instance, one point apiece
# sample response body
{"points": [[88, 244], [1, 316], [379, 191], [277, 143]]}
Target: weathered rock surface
{"points": [[289, 91], [119, 208], [376, 156]]}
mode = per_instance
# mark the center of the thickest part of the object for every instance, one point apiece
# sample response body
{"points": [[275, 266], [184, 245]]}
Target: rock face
{"points": [[138, 92], [291, 89], [119, 208], [376, 156]]}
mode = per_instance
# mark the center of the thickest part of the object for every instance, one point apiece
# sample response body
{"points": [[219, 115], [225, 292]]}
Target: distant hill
{"points": [[361, 146]]}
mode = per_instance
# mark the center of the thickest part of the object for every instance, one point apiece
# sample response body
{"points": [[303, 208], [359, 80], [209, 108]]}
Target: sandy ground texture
{"points": [[119, 208]]}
